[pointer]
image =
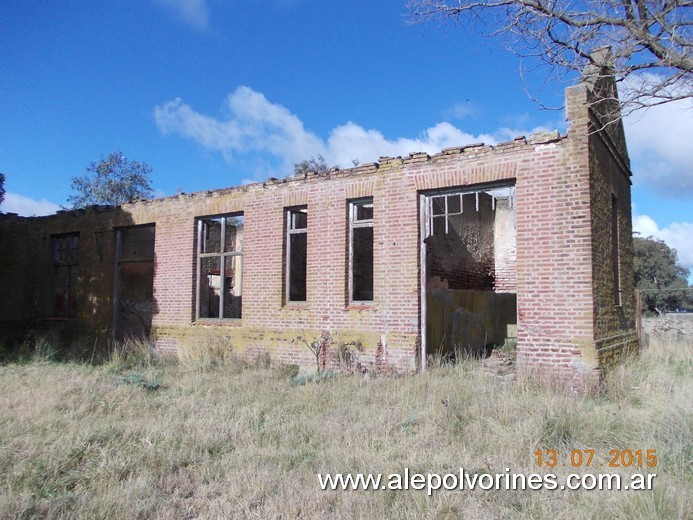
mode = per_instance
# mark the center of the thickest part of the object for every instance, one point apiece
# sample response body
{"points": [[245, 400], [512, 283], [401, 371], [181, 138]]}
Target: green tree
{"points": [[113, 180], [644, 36], [2, 187], [659, 275], [313, 165]]}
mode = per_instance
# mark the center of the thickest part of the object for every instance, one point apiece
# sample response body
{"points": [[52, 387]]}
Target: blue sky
{"points": [[213, 93]]}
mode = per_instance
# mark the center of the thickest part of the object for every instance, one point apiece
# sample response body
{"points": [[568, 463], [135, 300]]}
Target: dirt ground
{"points": [[672, 323], [502, 364]]}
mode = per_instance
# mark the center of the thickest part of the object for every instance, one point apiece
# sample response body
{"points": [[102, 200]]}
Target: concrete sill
{"points": [[231, 322], [359, 307], [296, 306]]}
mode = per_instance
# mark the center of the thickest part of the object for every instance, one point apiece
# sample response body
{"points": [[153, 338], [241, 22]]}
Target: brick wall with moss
{"points": [[563, 276]]}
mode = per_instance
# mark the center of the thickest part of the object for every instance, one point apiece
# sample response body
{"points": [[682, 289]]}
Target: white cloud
{"points": [[677, 235], [351, 141], [460, 111], [194, 13], [508, 134], [254, 125], [27, 207], [659, 142]]}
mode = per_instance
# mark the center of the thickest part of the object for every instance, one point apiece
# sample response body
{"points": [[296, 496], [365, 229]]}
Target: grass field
{"points": [[210, 438]]}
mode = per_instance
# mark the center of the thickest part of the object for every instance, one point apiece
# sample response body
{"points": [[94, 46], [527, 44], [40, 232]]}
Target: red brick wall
{"points": [[27, 279], [15, 235], [505, 247], [563, 187], [614, 317]]}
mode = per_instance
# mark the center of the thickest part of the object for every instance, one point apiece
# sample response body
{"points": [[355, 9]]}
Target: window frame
{"points": [[291, 230], [616, 251], [357, 223], [223, 257], [71, 262], [445, 212]]}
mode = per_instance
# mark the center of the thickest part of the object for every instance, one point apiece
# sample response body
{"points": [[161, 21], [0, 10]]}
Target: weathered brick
{"points": [[569, 325]]}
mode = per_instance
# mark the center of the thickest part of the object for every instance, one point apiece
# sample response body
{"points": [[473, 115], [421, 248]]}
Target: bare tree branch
{"points": [[650, 40]]}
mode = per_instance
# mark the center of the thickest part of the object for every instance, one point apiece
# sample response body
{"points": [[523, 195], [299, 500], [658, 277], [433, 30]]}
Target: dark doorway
{"points": [[469, 301], [134, 282]]}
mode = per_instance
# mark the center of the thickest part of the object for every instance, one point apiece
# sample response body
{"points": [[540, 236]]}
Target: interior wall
{"points": [[135, 282], [471, 303], [473, 321], [505, 247], [462, 257]]}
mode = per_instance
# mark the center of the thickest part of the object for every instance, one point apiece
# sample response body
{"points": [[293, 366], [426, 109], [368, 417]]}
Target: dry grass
{"points": [[137, 438]]}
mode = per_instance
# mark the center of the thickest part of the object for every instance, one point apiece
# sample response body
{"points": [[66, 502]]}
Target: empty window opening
{"points": [[65, 250], [470, 270], [361, 251], [296, 254], [134, 282], [220, 267], [615, 251]]}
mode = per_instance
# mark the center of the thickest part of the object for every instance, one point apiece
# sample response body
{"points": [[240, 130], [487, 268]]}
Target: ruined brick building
{"points": [[527, 242]]}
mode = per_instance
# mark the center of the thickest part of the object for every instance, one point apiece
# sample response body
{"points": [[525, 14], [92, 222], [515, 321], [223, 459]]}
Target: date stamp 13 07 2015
{"points": [[586, 458]]}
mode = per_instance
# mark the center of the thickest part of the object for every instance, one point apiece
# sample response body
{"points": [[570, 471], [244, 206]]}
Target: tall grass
{"points": [[217, 439]]}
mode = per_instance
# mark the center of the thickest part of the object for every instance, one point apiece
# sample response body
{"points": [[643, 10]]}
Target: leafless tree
{"points": [[649, 42], [2, 187]]}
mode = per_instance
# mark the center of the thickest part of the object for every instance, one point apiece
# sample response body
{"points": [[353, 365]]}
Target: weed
{"points": [[140, 380], [132, 354], [223, 439], [287, 371], [313, 378], [209, 353], [262, 360], [45, 349], [345, 356], [317, 347]]}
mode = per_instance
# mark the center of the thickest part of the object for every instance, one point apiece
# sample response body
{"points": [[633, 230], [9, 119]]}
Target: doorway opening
{"points": [[134, 282], [468, 278]]}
